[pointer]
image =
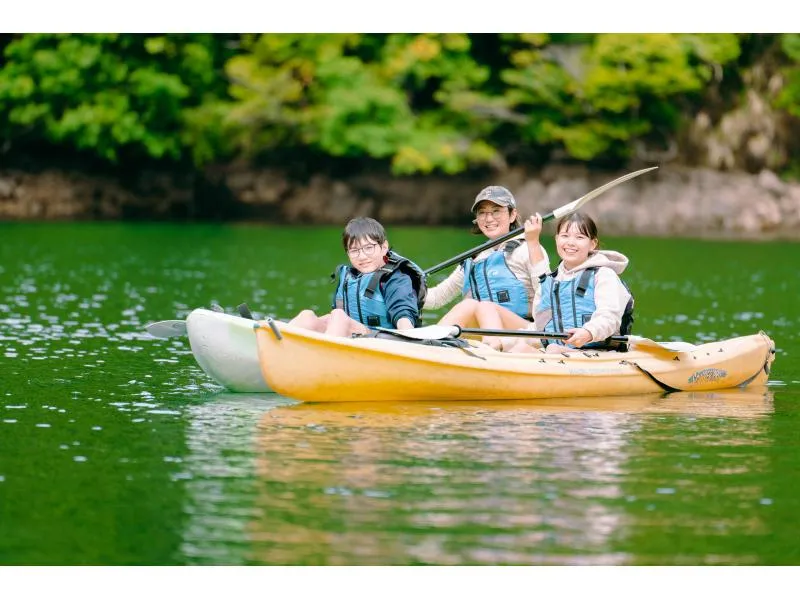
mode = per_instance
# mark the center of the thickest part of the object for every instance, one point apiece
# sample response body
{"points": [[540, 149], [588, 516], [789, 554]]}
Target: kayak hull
{"points": [[225, 348], [312, 367]]}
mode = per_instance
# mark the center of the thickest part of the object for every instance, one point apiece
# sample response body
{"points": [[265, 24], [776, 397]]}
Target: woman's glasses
{"points": [[367, 249], [495, 214]]}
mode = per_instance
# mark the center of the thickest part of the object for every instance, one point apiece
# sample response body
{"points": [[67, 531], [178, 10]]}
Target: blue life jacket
{"points": [[572, 304], [361, 297], [492, 280]]}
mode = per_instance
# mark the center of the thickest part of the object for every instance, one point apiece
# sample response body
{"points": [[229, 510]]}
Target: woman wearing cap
{"points": [[507, 274]]}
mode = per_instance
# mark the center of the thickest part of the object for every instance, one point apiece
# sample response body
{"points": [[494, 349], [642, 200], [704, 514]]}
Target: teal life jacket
{"points": [[360, 295], [492, 280], [571, 303]]}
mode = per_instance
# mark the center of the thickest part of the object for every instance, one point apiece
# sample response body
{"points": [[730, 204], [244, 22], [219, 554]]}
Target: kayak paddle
{"points": [[167, 328], [564, 210], [170, 328], [440, 332]]}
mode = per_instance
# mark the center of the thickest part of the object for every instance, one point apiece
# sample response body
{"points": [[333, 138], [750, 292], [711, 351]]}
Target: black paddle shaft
{"points": [[488, 245], [529, 334], [563, 211]]}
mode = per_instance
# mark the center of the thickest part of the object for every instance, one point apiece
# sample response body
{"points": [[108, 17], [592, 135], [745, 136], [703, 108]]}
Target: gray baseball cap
{"points": [[496, 194]]}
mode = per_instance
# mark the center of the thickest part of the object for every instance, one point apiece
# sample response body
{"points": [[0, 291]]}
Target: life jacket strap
{"points": [[584, 281], [376, 279]]}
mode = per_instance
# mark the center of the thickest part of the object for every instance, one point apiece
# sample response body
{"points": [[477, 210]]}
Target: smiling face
{"points": [[574, 244], [493, 220], [366, 254]]}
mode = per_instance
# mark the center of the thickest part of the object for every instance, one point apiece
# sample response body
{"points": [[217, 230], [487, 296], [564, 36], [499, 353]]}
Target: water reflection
{"points": [[517, 482], [221, 486]]}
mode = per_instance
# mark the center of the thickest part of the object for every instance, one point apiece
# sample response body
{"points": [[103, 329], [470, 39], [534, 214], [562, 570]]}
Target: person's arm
{"points": [[447, 290], [404, 324], [530, 258], [536, 269], [401, 301], [533, 228], [610, 298]]}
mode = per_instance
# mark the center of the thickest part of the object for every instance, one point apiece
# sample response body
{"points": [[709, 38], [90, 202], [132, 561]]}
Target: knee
{"points": [[337, 315], [304, 318], [483, 307], [468, 306]]}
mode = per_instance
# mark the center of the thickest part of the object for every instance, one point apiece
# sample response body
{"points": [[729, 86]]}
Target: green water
{"points": [[115, 448]]}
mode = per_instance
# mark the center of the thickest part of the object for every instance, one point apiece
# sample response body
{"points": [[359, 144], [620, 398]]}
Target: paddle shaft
{"points": [[529, 334], [517, 232], [564, 210]]}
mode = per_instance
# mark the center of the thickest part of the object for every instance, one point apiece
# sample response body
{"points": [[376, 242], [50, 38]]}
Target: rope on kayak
{"points": [[471, 354], [396, 335], [664, 386], [450, 342]]}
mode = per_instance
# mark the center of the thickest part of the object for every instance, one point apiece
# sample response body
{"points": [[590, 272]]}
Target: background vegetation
{"points": [[414, 103]]}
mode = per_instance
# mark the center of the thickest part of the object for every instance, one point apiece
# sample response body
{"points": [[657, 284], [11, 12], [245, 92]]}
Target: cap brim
{"points": [[497, 203]]}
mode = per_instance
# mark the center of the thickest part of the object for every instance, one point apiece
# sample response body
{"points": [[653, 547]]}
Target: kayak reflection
{"points": [[748, 402], [556, 481]]}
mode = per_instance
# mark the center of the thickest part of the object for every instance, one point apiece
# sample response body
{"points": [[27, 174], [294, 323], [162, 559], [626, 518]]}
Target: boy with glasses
{"points": [[379, 289]]}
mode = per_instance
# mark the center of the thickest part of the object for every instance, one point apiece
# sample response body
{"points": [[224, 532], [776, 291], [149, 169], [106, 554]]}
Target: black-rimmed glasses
{"points": [[367, 249]]}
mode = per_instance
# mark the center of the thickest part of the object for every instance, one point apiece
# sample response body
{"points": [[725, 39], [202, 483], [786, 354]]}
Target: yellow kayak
{"points": [[313, 367]]}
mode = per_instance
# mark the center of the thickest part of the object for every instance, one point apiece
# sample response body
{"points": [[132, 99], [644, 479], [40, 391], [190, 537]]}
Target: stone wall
{"points": [[672, 201]]}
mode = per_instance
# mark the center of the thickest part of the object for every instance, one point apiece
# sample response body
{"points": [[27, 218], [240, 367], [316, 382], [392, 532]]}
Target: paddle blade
{"points": [[167, 328], [426, 333], [640, 343], [576, 205], [558, 213]]}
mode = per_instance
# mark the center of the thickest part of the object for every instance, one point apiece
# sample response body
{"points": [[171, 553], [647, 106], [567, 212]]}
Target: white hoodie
{"points": [[610, 295]]}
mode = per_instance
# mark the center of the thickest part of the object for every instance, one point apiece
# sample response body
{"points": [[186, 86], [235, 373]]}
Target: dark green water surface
{"points": [[115, 448]]}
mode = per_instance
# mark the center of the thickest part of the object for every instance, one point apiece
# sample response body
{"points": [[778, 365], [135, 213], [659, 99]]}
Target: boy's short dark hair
{"points": [[362, 228]]}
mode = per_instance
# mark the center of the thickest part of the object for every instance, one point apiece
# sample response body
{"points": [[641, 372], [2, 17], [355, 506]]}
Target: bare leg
{"points": [[462, 314], [306, 319], [340, 324], [523, 347], [492, 315], [555, 348], [488, 317]]}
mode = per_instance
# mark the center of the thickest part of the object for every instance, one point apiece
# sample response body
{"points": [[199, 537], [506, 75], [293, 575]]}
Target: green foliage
{"points": [[626, 69], [789, 96], [419, 103], [410, 106], [595, 100], [118, 96]]}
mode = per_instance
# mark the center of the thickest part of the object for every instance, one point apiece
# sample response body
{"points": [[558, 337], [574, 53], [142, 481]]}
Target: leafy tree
{"points": [[596, 99], [418, 103], [789, 96], [409, 105], [118, 96]]}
